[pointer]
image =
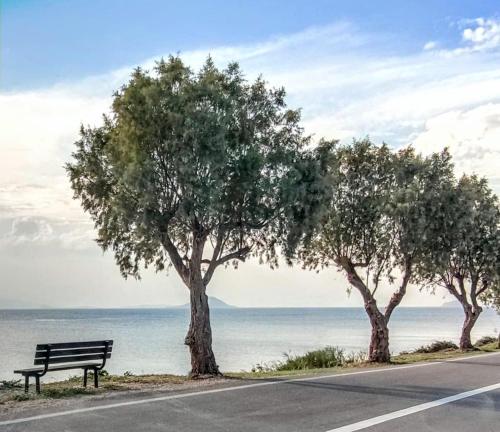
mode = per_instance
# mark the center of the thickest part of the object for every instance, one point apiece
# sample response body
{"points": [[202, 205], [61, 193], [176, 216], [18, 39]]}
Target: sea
{"points": [[151, 340]]}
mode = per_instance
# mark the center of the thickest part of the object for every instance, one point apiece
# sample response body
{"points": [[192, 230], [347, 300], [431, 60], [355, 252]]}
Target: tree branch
{"points": [[483, 288], [212, 263], [175, 257], [448, 284], [397, 297], [473, 292], [240, 254], [463, 292], [354, 279]]}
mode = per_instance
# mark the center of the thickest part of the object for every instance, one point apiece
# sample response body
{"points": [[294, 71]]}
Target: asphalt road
{"points": [[453, 396]]}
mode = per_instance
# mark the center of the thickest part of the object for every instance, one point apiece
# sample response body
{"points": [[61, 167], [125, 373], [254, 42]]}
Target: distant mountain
{"points": [[9, 303], [213, 303], [454, 304]]}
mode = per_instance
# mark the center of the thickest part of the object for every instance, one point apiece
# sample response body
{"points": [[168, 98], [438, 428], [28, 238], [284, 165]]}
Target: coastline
{"points": [[62, 394]]}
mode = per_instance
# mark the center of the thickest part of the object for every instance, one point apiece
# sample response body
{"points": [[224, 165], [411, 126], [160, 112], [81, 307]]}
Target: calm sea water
{"points": [[151, 340]]}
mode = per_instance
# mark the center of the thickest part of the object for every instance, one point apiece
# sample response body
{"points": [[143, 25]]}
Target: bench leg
{"points": [[37, 384], [26, 383], [96, 378], [85, 377]]}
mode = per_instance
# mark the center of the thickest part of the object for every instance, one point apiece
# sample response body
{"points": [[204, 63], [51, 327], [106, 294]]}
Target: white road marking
{"points": [[226, 389], [412, 410]]}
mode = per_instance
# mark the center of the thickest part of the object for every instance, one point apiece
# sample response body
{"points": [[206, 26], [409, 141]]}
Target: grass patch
{"points": [[58, 393], [20, 397], [421, 355], [107, 381], [72, 387], [491, 347]]}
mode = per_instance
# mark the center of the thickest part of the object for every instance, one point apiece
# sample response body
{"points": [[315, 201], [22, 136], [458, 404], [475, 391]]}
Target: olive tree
{"points": [[377, 224], [470, 271], [189, 171]]}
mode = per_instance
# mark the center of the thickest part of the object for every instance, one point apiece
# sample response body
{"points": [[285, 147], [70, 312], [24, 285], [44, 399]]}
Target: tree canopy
{"points": [[190, 170]]}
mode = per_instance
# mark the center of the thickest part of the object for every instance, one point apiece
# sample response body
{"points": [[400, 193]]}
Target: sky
{"points": [[421, 73]]}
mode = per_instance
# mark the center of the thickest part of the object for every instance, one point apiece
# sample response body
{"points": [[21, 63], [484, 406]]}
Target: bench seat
{"points": [[89, 365]]}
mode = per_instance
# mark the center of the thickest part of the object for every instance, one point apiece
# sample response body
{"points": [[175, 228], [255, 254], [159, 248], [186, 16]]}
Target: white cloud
{"points": [[33, 232], [430, 45], [480, 34], [38, 129], [483, 34], [473, 137]]}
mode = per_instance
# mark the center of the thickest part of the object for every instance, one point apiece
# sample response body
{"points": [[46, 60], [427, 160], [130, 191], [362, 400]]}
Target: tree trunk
{"points": [[199, 336], [379, 342], [498, 346], [471, 316]]}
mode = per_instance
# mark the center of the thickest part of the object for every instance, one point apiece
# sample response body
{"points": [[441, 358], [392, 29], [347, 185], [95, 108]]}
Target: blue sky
{"points": [[421, 73], [47, 41]]}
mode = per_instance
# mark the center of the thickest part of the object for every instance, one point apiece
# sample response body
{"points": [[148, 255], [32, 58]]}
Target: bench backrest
{"points": [[73, 352]]}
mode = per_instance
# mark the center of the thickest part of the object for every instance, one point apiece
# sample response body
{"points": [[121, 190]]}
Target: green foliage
{"points": [[186, 158], [10, 384], [419, 210], [471, 269], [307, 191], [21, 397], [353, 226], [323, 358], [327, 357], [436, 346], [486, 340], [382, 211]]}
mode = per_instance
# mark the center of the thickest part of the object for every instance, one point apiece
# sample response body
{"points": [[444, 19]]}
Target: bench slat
{"points": [[66, 345], [68, 352], [70, 359], [57, 368]]}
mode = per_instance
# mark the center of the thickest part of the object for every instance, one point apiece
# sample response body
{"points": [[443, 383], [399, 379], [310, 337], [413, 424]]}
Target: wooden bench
{"points": [[64, 356]]}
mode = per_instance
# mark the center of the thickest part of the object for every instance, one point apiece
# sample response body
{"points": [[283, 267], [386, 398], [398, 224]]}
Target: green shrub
{"points": [[322, 358], [436, 346], [22, 397], [327, 357], [10, 384], [486, 340]]}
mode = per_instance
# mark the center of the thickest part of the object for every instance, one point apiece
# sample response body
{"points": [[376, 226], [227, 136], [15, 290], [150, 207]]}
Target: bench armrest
{"points": [[105, 354]]}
